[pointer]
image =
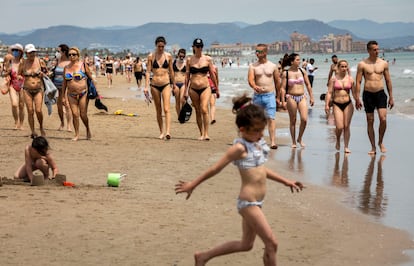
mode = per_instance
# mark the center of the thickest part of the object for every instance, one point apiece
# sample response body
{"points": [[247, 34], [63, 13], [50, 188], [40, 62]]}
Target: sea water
{"points": [[377, 186]]}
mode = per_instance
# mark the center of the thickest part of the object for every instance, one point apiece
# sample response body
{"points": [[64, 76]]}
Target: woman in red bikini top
{"points": [[339, 88], [16, 84]]}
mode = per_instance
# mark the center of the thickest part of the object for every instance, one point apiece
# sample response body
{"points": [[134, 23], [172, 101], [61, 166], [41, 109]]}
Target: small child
{"points": [[37, 157], [249, 154]]}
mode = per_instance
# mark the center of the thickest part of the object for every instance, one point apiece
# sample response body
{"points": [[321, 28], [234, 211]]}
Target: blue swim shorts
{"points": [[267, 101]]}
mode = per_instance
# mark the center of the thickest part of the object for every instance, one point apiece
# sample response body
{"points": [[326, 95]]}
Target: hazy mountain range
{"points": [[141, 38]]}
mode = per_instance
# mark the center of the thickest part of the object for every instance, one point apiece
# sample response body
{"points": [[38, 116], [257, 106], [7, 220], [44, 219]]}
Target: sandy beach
{"points": [[143, 222]]}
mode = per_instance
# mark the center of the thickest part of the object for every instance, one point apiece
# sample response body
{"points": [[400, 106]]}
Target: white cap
{"points": [[17, 46], [30, 48]]}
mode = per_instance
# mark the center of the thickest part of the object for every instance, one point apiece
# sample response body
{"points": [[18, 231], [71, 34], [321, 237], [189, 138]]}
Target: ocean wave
{"points": [[408, 72]]}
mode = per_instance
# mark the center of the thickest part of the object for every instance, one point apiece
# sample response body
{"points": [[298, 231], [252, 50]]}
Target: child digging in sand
{"points": [[37, 157], [248, 153]]}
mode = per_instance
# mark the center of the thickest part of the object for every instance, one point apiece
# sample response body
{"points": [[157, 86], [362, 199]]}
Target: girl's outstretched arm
{"points": [[294, 185], [233, 153]]}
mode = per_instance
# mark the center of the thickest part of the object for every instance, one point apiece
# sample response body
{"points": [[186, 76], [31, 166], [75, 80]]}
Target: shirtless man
{"points": [[264, 79], [373, 69], [333, 69]]}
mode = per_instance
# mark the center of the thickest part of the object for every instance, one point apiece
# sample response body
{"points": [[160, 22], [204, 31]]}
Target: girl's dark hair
{"points": [[287, 61], [160, 39], [181, 51], [65, 49], [41, 145], [247, 113]]}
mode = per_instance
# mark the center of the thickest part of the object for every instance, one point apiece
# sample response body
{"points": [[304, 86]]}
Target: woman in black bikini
{"points": [[179, 76], [33, 69], [109, 69], [74, 85], [159, 63], [339, 88], [198, 87]]}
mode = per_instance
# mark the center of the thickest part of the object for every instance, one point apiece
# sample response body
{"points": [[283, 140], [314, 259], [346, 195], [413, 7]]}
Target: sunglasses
{"points": [[259, 51], [73, 54], [15, 50], [160, 46]]}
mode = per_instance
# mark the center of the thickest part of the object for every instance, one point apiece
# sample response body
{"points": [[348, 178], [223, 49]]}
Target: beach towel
{"points": [[51, 94]]}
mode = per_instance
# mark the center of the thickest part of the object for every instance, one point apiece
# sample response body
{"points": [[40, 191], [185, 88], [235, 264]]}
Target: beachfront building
{"points": [[300, 42], [336, 44], [279, 47], [359, 46], [237, 49]]}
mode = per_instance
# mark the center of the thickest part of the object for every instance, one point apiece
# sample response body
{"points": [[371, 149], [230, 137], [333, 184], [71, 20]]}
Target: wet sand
{"points": [[143, 222]]}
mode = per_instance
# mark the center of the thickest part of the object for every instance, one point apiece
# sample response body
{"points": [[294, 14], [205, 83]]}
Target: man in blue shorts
{"points": [[264, 79], [374, 70]]}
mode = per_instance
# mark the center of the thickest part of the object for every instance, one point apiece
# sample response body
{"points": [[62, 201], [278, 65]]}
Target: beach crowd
{"points": [[285, 85]]}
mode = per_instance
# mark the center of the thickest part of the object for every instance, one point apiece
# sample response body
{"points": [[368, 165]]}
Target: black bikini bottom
{"points": [[160, 88], [33, 92], [199, 91], [342, 106]]}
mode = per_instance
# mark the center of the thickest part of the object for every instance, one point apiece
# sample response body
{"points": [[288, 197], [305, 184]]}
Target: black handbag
{"points": [[185, 113]]}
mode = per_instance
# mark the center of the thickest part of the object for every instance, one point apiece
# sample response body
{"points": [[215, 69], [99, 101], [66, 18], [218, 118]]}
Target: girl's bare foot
{"points": [[347, 150], [161, 136], [201, 138], [199, 260], [372, 152], [42, 132], [76, 138], [293, 146], [88, 135], [168, 136], [61, 127], [382, 148]]}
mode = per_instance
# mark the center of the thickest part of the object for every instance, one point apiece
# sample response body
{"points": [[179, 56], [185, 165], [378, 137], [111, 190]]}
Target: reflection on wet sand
{"points": [[295, 162], [340, 176], [374, 203]]}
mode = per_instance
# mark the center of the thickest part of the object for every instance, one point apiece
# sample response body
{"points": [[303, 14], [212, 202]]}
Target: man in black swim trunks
{"points": [[373, 69]]}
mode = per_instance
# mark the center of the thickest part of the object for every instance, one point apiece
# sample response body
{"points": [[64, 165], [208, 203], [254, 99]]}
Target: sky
{"points": [[26, 15]]}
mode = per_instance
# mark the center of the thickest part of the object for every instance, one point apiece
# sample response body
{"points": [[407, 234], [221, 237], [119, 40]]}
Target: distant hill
{"points": [[141, 38], [372, 30]]}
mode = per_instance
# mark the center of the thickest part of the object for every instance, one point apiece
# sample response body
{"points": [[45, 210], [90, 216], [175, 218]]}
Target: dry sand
{"points": [[143, 222]]}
